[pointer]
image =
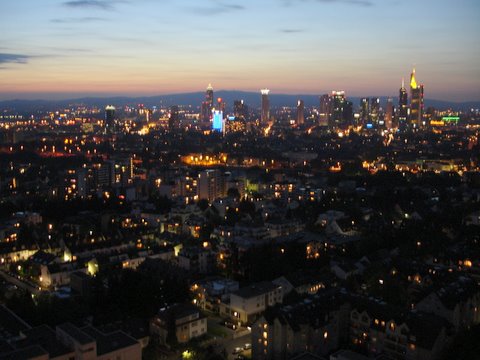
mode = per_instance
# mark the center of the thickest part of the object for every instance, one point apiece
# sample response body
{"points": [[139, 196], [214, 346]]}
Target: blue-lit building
{"points": [[217, 124]]}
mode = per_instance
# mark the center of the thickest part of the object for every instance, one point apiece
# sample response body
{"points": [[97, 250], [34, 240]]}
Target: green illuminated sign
{"points": [[451, 119]]}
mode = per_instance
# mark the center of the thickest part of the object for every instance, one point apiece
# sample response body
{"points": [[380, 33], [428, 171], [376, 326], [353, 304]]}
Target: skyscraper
{"points": [[239, 109], [109, 118], [207, 105], [173, 118], [374, 111], [337, 109], [265, 115], [416, 106], [300, 112], [364, 111], [402, 106], [221, 105], [217, 122], [325, 109], [389, 114]]}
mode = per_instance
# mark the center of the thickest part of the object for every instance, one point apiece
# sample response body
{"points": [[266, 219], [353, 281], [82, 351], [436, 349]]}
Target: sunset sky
{"points": [[55, 49]]}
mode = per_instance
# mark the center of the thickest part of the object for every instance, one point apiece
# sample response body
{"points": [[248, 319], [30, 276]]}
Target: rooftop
{"points": [[107, 343], [256, 289], [10, 324], [77, 334], [45, 337], [32, 352]]}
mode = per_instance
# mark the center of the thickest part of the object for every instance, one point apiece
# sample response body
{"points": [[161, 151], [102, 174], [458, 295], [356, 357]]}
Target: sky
{"points": [[54, 49]]}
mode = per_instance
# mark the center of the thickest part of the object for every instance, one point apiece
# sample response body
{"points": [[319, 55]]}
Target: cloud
{"points": [[13, 58], [77, 20], [99, 4], [291, 31], [218, 7], [366, 3], [62, 49]]}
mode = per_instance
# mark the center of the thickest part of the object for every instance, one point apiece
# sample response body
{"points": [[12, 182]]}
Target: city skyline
{"points": [[65, 49]]}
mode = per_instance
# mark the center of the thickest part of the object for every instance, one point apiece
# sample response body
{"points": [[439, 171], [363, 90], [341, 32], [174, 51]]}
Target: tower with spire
{"points": [[416, 105], [207, 104]]}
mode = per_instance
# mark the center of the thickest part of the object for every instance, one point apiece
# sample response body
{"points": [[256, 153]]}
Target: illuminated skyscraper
{"points": [[265, 116], [221, 105], [337, 109], [389, 114], [217, 123], [207, 105], [364, 111], [402, 106], [173, 118], [239, 109], [416, 106], [109, 118], [325, 109], [300, 112], [374, 111]]}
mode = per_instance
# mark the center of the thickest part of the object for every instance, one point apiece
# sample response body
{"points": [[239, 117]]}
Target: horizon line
{"points": [[107, 96]]}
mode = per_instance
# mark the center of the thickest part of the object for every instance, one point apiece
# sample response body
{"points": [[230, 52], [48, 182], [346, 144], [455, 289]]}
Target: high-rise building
{"points": [[389, 114], [221, 105], [337, 109], [109, 118], [402, 106], [364, 111], [348, 113], [239, 109], [416, 106], [210, 185], [374, 111], [265, 115], [207, 104], [300, 112], [325, 109], [217, 123], [173, 118]]}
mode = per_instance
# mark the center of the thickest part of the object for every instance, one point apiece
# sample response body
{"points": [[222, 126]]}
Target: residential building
{"points": [[180, 322]]}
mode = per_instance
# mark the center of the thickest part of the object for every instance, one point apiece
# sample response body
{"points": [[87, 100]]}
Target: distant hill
{"points": [[252, 99]]}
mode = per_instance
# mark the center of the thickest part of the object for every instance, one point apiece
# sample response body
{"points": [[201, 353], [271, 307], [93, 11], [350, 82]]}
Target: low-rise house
{"points": [[457, 302], [58, 274], [210, 292], [197, 260], [246, 304], [282, 227], [313, 325], [344, 270], [303, 282], [382, 329], [178, 323]]}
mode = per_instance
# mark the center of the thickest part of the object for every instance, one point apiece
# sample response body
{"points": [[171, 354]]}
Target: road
{"points": [[227, 338], [231, 344]]}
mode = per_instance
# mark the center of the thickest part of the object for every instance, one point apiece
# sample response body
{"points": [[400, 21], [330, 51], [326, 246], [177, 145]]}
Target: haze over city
{"points": [[62, 49]]}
